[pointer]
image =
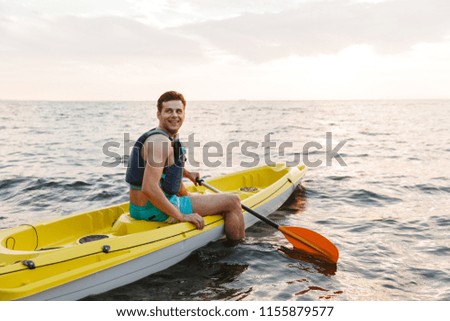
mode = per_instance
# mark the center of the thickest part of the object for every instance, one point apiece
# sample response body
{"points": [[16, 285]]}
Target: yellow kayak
{"points": [[73, 256]]}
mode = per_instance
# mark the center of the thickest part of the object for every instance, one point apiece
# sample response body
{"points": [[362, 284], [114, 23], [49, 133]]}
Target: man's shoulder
{"points": [[157, 137], [157, 144]]}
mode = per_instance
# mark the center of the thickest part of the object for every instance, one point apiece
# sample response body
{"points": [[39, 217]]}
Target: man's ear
{"points": [[158, 114]]}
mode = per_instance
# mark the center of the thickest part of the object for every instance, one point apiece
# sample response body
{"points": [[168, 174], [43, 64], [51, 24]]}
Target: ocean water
{"points": [[384, 201]]}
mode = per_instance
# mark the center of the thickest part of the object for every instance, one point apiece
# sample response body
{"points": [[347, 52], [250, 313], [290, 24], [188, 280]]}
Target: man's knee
{"points": [[235, 202]]}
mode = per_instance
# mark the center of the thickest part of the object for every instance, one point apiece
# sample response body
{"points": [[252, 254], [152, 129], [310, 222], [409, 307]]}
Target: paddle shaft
{"points": [[246, 208]]}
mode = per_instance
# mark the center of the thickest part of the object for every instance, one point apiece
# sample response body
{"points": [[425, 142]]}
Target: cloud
{"points": [[85, 38], [169, 13], [268, 31], [135, 49], [326, 28]]}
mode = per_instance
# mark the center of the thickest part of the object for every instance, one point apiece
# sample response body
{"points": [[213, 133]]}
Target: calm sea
{"points": [[384, 203]]}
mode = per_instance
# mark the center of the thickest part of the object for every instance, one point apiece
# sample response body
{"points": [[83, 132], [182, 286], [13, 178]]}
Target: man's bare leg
{"points": [[228, 205]]}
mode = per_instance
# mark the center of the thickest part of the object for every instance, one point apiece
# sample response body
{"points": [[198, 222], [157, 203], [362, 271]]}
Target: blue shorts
{"points": [[149, 212]]}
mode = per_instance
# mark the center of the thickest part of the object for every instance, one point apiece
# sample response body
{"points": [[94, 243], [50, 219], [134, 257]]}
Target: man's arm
{"points": [[183, 191], [191, 175], [156, 153]]}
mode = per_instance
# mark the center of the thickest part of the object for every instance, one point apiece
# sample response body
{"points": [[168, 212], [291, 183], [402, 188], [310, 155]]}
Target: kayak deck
{"points": [[38, 257]]}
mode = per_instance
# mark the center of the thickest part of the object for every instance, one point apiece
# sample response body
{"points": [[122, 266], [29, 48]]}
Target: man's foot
{"points": [[232, 243]]}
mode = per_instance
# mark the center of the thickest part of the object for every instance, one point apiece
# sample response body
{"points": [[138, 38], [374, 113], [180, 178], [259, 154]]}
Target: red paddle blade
{"points": [[310, 242]]}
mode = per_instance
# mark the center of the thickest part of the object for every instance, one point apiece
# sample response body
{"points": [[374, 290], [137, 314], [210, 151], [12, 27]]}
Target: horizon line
{"points": [[223, 100]]}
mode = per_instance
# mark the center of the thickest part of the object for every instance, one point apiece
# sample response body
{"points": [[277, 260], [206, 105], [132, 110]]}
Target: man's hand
{"points": [[193, 176], [195, 219]]}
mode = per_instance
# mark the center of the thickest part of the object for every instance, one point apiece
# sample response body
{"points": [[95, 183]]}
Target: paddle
{"points": [[302, 238]]}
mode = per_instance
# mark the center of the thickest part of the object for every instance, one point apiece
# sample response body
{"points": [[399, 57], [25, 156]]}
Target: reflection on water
{"points": [[322, 266], [297, 202]]}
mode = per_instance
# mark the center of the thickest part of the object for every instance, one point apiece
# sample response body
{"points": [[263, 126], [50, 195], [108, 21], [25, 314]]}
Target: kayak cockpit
{"points": [[29, 240]]}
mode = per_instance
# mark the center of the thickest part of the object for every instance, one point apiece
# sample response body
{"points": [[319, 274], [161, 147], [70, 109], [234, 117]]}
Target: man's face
{"points": [[171, 116]]}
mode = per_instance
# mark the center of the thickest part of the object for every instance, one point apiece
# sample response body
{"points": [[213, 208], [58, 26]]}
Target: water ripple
{"points": [[387, 210]]}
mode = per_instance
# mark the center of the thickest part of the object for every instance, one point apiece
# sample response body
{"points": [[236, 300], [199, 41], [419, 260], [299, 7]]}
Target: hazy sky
{"points": [[234, 49]]}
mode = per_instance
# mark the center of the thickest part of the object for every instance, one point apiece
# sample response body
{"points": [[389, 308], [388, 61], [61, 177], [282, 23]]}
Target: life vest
{"points": [[172, 175]]}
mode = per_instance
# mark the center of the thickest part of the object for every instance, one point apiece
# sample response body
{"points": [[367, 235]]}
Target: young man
{"points": [[155, 172]]}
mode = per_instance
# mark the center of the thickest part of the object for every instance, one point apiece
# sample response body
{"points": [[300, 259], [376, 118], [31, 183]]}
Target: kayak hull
{"points": [[131, 250]]}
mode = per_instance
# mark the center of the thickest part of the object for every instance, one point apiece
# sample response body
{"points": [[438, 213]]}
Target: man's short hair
{"points": [[168, 96]]}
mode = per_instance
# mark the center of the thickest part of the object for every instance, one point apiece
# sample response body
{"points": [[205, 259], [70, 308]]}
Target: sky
{"points": [[224, 50]]}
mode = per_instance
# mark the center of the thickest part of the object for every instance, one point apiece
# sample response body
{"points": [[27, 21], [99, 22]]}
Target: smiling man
{"points": [[155, 172]]}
